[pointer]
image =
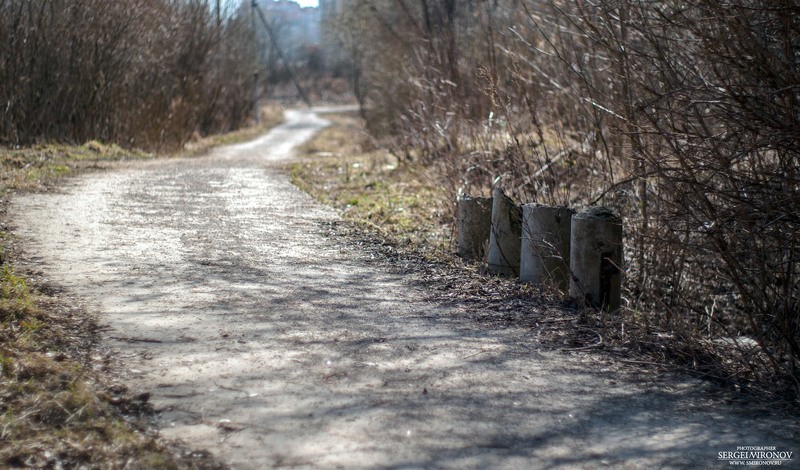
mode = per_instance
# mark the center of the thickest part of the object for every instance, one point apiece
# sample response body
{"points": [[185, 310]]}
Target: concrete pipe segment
{"points": [[596, 258], [504, 238], [474, 225], [544, 256]]}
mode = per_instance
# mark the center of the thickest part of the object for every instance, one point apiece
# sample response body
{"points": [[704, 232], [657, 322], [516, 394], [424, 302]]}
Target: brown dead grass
{"points": [[342, 168], [34, 168], [57, 410]]}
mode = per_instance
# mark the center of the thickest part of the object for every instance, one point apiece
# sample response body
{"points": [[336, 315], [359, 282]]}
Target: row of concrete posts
{"points": [[579, 253]]}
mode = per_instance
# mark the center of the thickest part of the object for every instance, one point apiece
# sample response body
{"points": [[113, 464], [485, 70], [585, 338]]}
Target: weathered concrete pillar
{"points": [[596, 258], [474, 225], [544, 256], [504, 237]]}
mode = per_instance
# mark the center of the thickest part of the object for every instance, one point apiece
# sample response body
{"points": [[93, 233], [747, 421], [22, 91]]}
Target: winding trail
{"points": [[272, 345]]}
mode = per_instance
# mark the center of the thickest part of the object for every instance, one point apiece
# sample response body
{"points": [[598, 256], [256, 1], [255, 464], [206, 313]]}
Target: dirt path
{"points": [[271, 345]]}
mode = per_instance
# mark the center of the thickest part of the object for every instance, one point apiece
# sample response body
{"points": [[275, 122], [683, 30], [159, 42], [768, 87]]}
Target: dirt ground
{"points": [[271, 344]]}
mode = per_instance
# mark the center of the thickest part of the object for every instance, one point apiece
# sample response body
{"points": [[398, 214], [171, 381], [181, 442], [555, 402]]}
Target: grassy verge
{"points": [[34, 168], [57, 408], [340, 167], [53, 411]]}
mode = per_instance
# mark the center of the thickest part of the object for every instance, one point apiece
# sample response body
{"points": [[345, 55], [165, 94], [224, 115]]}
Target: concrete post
{"points": [[544, 257], [596, 258], [504, 237], [474, 225]]}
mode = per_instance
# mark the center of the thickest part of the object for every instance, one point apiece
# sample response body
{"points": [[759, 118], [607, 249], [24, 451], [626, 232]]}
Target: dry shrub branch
{"points": [[143, 73], [681, 115]]}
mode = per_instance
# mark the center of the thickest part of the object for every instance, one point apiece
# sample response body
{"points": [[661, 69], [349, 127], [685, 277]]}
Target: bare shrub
{"points": [[146, 73], [681, 115]]}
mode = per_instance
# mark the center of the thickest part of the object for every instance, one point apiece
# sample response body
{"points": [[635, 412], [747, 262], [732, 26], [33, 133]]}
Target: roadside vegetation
{"points": [[396, 210], [343, 168], [681, 116], [143, 74], [54, 412]]}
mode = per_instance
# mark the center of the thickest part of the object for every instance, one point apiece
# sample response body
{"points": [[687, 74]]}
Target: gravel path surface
{"points": [[272, 345]]}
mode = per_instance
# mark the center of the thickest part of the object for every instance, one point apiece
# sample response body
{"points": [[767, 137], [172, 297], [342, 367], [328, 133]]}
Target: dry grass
{"points": [[56, 410], [34, 168], [342, 168], [400, 211]]}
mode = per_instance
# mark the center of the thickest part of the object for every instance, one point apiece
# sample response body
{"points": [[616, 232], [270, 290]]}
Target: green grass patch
{"points": [[32, 168], [15, 297], [340, 167]]}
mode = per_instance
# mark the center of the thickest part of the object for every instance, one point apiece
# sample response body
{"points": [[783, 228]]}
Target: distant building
{"points": [[299, 26], [307, 36]]}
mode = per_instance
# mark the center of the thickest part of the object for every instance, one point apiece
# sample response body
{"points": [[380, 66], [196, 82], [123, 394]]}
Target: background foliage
{"points": [[681, 115], [141, 73]]}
